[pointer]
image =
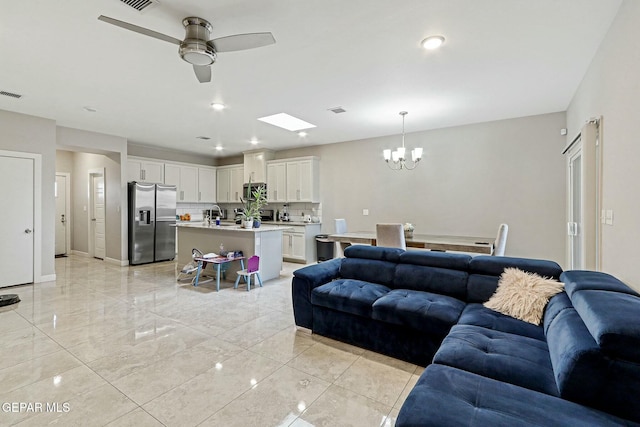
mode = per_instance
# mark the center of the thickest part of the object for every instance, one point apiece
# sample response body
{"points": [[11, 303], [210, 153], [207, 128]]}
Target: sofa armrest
{"points": [[306, 280]]}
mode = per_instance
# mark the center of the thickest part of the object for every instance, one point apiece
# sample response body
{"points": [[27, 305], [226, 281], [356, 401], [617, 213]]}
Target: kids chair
{"points": [[253, 267]]}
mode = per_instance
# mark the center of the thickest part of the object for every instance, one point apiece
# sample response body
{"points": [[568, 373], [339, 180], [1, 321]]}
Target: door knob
{"points": [[28, 230]]}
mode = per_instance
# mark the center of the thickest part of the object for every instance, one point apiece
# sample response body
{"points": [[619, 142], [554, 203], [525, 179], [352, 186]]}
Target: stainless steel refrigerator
{"points": [[152, 221]]}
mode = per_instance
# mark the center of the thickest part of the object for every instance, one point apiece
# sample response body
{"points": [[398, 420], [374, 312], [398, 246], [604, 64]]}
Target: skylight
{"points": [[287, 122]]}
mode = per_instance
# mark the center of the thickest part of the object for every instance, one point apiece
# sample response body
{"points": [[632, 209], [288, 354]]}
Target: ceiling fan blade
{"points": [[140, 30], [241, 42], [203, 73]]}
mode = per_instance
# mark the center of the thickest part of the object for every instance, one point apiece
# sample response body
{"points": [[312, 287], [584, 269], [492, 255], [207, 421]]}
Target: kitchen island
{"points": [[266, 242]]}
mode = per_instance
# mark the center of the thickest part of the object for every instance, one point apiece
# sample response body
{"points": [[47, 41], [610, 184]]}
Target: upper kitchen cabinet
{"points": [[229, 183], [255, 165], [303, 180], [294, 180], [276, 181], [142, 170], [207, 185], [185, 178]]}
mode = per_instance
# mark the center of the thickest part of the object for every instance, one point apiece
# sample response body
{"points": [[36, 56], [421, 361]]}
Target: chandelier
{"points": [[398, 155]]}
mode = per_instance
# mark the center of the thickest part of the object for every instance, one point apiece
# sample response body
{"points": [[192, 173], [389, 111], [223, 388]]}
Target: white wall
{"points": [[472, 179], [23, 133], [611, 89]]}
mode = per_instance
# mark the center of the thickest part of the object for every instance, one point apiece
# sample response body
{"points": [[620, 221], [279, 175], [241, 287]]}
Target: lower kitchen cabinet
{"points": [[299, 243]]}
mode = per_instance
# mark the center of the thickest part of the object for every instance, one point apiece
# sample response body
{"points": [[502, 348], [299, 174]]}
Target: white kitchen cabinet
{"points": [[142, 170], [185, 178], [207, 185], [255, 165], [303, 181], [230, 180], [276, 182], [299, 243], [293, 245], [294, 180]]}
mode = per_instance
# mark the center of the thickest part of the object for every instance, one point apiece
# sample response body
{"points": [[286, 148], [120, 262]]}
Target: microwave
{"points": [[249, 189]]}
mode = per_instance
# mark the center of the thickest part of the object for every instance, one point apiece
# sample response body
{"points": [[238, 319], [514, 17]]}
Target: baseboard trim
{"points": [[46, 278], [79, 253], [118, 262]]}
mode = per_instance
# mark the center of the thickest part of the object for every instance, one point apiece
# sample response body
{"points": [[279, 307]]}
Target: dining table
{"points": [[479, 245]]}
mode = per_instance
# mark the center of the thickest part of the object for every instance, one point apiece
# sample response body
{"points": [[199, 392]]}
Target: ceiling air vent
{"points": [[140, 5], [338, 110], [206, 138], [10, 94]]}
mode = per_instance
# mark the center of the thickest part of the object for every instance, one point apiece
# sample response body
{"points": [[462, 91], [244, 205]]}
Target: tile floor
{"points": [[130, 346]]}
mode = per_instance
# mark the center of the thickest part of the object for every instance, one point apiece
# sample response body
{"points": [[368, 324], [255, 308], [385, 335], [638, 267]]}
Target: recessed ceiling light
{"points": [[254, 141], [218, 147], [432, 42], [217, 106], [302, 134], [89, 109], [287, 122]]}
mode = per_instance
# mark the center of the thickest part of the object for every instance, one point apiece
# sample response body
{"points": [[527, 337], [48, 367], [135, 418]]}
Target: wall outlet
{"points": [[365, 212], [609, 217]]}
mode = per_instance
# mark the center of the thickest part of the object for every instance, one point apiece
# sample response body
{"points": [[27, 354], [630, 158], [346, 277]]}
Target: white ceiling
{"points": [[501, 59]]}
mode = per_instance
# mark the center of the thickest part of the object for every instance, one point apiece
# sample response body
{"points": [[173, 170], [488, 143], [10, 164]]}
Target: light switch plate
{"points": [[609, 217], [365, 212]]}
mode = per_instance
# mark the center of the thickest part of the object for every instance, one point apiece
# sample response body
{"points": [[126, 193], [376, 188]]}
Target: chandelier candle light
{"points": [[398, 156]]}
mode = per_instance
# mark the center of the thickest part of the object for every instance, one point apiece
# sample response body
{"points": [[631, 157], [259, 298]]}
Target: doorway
{"points": [[584, 184], [97, 236], [63, 213], [17, 231]]}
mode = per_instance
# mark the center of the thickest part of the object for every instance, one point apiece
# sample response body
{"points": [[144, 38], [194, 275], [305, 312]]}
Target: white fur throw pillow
{"points": [[523, 295]]}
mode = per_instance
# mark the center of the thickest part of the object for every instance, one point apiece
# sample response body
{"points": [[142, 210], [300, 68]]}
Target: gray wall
{"points": [[611, 89], [472, 179], [23, 133]]}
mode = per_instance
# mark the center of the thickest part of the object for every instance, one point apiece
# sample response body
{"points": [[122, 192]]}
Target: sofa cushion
{"points": [[423, 311], [431, 279], [580, 280], [499, 355], [523, 295], [375, 253], [612, 320], [480, 287], [381, 272], [578, 365], [495, 265], [445, 396], [556, 305], [352, 296], [451, 261], [479, 315]]}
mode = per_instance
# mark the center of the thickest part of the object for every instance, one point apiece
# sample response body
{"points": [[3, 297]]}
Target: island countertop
{"points": [[231, 227]]}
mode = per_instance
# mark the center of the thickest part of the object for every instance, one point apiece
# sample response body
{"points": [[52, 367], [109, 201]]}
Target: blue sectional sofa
{"points": [[580, 367]]}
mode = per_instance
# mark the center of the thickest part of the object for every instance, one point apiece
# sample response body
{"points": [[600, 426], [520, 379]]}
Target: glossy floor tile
{"points": [[131, 346]]}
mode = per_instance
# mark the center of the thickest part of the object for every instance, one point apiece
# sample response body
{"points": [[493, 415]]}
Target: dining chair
{"points": [[253, 268], [501, 241], [341, 228], [390, 236]]}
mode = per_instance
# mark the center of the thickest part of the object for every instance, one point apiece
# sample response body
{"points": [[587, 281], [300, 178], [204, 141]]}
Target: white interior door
{"points": [[62, 214], [575, 222], [98, 218], [16, 249]]}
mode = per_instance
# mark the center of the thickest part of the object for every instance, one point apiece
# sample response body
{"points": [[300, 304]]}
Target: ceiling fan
{"points": [[198, 48]]}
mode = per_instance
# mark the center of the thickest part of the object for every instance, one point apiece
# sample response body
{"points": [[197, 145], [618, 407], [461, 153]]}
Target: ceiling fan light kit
{"points": [[195, 49]]}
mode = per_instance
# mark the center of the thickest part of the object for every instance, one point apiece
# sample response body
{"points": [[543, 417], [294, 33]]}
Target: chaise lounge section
{"points": [[581, 366]]}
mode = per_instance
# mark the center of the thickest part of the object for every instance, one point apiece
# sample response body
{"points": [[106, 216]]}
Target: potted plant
{"points": [[252, 203], [408, 230]]}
